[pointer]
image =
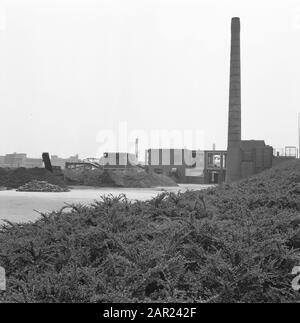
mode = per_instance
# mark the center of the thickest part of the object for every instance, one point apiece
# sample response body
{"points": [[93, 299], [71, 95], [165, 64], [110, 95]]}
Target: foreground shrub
{"points": [[233, 243]]}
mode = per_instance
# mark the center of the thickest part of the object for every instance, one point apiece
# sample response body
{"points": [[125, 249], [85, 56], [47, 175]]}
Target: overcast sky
{"points": [[69, 69]]}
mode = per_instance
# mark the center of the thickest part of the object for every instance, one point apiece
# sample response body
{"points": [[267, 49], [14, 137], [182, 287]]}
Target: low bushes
{"points": [[233, 243]]}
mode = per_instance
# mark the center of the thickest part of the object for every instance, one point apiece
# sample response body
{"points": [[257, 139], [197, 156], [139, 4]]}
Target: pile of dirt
{"points": [[87, 177], [14, 178], [41, 186], [134, 177], [130, 177]]}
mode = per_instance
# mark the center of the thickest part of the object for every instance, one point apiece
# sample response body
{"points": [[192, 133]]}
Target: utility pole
{"points": [[137, 149]]}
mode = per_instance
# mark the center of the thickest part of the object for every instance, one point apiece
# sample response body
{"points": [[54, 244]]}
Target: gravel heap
{"points": [[16, 177], [41, 186], [131, 177]]}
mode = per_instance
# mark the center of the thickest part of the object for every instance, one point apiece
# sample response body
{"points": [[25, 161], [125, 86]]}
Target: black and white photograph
{"points": [[149, 154]]}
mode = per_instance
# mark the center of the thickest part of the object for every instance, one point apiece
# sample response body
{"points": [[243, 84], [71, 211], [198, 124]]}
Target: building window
{"points": [[214, 160]]}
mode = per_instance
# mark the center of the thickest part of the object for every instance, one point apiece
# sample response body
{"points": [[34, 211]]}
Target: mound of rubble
{"points": [[131, 177], [15, 177], [41, 186]]}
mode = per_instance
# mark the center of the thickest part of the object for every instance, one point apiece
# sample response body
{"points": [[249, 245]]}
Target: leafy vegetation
{"points": [[233, 243]]}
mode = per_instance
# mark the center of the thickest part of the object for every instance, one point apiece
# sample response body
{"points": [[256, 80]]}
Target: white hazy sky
{"points": [[71, 68]]}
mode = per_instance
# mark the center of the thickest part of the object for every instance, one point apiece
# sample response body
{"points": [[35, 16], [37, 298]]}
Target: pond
{"points": [[20, 206]]}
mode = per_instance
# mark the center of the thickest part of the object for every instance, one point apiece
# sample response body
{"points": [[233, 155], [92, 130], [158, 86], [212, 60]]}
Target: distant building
{"points": [[174, 162], [17, 160], [244, 157], [208, 166], [2, 161], [61, 162], [291, 151], [33, 162], [256, 156], [284, 154], [117, 160], [188, 166]]}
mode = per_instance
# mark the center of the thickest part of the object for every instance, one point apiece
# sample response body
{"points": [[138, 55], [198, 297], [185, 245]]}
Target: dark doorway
{"points": [[213, 177]]}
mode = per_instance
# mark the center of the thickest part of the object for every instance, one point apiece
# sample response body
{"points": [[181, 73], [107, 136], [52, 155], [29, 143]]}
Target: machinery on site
{"points": [[88, 163], [47, 162], [56, 170]]}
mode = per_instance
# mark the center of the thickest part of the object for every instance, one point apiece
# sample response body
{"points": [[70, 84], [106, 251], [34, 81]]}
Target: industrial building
{"points": [[208, 166], [61, 162], [16, 160], [188, 166], [118, 160], [244, 157]]}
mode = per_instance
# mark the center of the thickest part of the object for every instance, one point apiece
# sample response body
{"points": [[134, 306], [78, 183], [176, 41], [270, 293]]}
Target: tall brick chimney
{"points": [[233, 168]]}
